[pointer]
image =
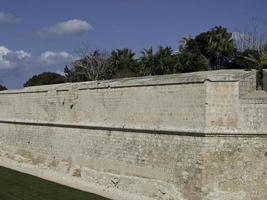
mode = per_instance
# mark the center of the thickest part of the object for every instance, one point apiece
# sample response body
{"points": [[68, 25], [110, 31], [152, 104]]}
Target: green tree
{"points": [[260, 63], [121, 64], [164, 61], [74, 74], [45, 78], [190, 58], [146, 62], [240, 60], [216, 45], [2, 87], [220, 47], [190, 61]]}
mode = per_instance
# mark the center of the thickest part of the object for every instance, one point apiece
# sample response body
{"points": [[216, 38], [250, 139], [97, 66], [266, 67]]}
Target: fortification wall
{"points": [[183, 136], [264, 79], [143, 103]]}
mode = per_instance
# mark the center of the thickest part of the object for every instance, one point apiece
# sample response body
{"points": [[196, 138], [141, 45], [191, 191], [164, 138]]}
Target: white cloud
{"points": [[10, 59], [3, 62], [51, 57], [18, 56], [8, 18], [74, 26]]}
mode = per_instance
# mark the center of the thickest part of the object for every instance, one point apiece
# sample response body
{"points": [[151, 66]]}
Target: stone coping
{"points": [[172, 79]]}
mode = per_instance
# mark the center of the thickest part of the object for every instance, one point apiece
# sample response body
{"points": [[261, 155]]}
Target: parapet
{"points": [[172, 79], [212, 102]]}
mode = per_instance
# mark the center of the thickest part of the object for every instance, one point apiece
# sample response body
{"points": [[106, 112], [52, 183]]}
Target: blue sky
{"points": [[42, 35]]}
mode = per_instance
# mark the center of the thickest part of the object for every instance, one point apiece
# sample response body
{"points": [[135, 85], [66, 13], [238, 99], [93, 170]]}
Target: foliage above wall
{"points": [[211, 50], [45, 78], [2, 87]]}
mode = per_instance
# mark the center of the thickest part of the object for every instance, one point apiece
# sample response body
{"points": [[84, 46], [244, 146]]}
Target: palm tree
{"points": [[146, 62], [216, 46], [188, 43], [220, 47], [122, 63], [165, 61], [260, 64]]}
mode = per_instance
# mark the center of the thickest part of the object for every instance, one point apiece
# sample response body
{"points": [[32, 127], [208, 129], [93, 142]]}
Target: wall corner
{"points": [[264, 79]]}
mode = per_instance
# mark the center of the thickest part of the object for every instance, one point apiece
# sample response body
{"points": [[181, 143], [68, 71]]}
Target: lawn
{"points": [[19, 186]]}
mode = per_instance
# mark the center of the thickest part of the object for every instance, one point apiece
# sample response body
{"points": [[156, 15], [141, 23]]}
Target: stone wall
{"points": [[183, 137], [265, 79]]}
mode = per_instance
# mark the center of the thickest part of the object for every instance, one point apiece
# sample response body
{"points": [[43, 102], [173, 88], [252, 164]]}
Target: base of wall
{"points": [[131, 166], [75, 182]]}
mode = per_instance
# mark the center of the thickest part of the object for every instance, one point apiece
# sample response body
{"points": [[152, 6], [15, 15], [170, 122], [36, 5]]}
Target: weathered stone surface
{"points": [[178, 137], [265, 79]]}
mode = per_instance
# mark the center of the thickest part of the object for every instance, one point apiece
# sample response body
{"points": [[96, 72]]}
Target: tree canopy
{"points": [[216, 45], [45, 78], [121, 63], [164, 61], [2, 87], [211, 50]]}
